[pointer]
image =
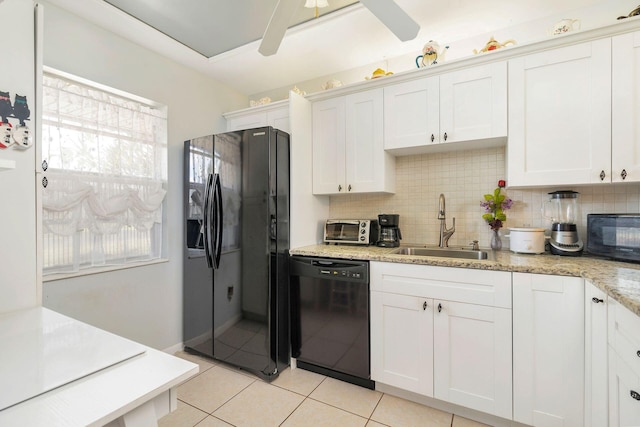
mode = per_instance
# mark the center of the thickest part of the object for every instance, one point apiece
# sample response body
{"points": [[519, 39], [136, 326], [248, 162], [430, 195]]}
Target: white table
{"points": [[80, 375]]}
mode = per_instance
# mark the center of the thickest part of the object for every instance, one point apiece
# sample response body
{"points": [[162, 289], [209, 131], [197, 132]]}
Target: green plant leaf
{"points": [[487, 217]]}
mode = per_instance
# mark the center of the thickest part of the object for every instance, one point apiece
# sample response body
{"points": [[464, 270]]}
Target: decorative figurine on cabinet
{"points": [[377, 73], [492, 44], [431, 54], [634, 12]]}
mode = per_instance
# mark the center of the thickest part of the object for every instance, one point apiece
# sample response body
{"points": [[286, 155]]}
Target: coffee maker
{"points": [[390, 235], [562, 210]]}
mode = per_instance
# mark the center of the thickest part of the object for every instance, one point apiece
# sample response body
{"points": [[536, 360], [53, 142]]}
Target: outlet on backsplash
{"points": [[464, 177]]}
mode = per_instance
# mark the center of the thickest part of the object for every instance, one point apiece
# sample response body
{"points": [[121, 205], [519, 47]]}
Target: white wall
{"points": [[18, 282], [143, 303]]}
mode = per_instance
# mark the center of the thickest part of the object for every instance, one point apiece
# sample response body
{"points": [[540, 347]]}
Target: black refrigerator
{"points": [[236, 249]]}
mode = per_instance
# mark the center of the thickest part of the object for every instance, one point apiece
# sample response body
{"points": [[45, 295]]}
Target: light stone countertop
{"points": [[619, 280]]}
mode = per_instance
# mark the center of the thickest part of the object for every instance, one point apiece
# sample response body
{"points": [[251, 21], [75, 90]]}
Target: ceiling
{"points": [[221, 37], [204, 25]]}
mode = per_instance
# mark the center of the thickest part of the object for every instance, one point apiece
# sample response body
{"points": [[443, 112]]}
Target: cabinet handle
{"points": [[623, 174], [349, 187], [339, 187], [445, 136], [45, 165], [45, 182], [596, 300], [638, 353], [602, 175], [635, 395], [424, 306], [433, 138], [439, 308]]}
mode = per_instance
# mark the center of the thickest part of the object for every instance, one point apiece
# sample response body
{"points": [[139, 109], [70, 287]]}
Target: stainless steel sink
{"points": [[444, 252]]}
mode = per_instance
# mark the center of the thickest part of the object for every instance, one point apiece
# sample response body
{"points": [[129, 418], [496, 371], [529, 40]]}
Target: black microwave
{"points": [[615, 236]]}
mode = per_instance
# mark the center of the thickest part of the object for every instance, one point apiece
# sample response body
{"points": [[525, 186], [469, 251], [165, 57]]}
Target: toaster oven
{"points": [[351, 231]]}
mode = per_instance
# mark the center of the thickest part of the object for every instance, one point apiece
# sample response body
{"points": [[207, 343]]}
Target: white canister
{"points": [[526, 240]]}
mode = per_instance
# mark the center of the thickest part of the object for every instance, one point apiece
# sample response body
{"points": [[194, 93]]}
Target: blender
{"points": [[562, 210]]}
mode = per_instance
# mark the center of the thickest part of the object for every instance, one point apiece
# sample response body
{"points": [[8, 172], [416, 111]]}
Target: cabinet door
{"points": [[473, 103], [329, 146], [560, 116], [595, 360], [472, 356], [624, 366], [248, 121], [279, 119], [548, 350], [624, 393], [368, 166], [625, 161], [401, 341], [411, 114]]}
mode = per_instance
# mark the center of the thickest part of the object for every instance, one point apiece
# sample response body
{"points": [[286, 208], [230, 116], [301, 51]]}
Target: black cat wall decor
{"points": [[21, 109], [6, 109]]}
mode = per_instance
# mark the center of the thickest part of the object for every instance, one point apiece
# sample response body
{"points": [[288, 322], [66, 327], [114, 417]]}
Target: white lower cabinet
{"points": [[443, 332], [624, 366], [548, 350], [624, 407], [402, 341], [595, 358], [472, 356]]}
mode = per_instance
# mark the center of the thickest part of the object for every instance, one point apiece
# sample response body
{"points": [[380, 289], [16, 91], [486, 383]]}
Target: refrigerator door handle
{"points": [[218, 222], [208, 194]]}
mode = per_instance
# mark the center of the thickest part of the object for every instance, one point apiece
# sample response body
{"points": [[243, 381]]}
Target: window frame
{"points": [[163, 181]]}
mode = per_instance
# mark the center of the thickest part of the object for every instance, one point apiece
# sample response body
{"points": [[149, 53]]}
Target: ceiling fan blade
{"points": [[278, 24], [396, 19]]}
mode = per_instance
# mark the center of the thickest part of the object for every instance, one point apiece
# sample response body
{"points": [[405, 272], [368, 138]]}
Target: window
{"points": [[107, 169]]}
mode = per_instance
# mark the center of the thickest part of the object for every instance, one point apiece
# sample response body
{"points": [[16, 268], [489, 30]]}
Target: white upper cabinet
{"points": [[560, 116], [625, 141], [348, 152], [329, 138], [473, 103], [469, 104], [412, 114], [275, 117]]}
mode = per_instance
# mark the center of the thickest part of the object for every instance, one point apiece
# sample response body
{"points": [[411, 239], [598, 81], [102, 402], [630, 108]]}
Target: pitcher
{"points": [[431, 54]]}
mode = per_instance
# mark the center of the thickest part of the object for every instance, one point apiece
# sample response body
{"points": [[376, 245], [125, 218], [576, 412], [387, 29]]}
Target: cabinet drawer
{"points": [[624, 334], [483, 287]]}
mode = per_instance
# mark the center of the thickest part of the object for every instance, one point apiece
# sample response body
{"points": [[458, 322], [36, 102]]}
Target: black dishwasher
{"points": [[330, 318]]}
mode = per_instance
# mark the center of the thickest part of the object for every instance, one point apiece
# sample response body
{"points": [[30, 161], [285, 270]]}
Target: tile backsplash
{"points": [[464, 177]]}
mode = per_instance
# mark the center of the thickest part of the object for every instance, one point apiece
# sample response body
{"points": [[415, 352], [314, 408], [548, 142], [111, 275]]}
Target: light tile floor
{"points": [[222, 396]]}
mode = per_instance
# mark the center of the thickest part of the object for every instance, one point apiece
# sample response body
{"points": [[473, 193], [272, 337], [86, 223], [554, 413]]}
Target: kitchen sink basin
{"points": [[461, 253]]}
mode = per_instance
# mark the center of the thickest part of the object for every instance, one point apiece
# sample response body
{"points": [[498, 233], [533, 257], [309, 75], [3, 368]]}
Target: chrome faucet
{"points": [[445, 233]]}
